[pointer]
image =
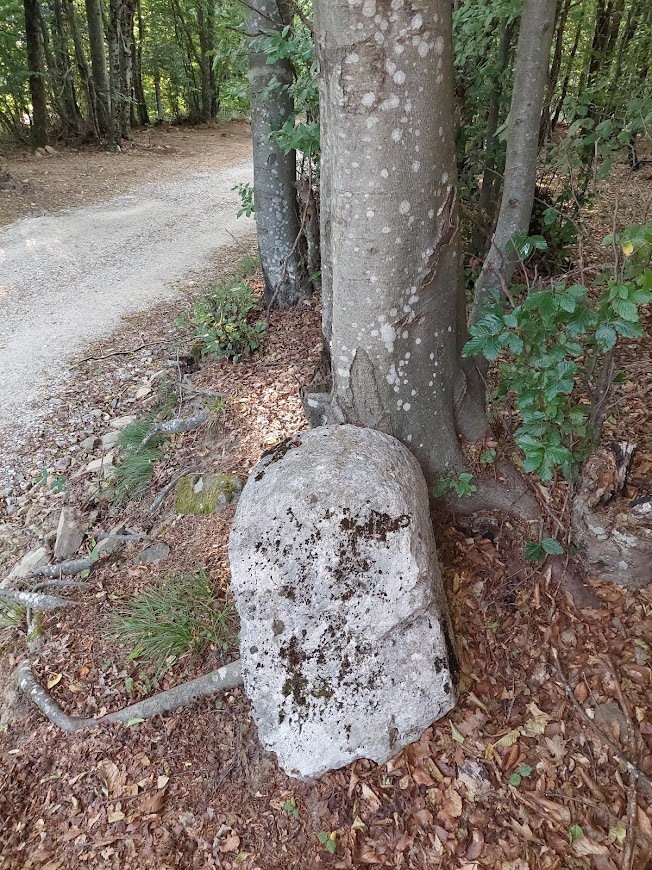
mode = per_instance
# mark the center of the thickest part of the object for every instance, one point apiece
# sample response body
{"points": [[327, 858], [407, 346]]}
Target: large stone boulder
{"points": [[345, 637]]}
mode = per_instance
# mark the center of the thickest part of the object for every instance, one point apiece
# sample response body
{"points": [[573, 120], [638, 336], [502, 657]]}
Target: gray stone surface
{"points": [[70, 534], [345, 636], [29, 563]]}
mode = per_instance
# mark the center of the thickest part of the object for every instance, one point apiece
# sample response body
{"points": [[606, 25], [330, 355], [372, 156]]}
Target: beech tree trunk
{"points": [[390, 240], [99, 64], [275, 173], [531, 73], [36, 74]]}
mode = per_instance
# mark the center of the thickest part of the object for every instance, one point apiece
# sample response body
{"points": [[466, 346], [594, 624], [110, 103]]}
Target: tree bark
{"points": [[140, 104], [204, 60], [83, 67], [99, 64], [532, 58], [36, 74], [392, 242], [275, 176]]}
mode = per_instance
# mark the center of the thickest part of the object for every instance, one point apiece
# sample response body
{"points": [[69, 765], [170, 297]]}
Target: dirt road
{"points": [[68, 278]]}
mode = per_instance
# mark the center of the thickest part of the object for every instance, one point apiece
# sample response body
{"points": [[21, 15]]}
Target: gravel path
{"points": [[68, 278]]}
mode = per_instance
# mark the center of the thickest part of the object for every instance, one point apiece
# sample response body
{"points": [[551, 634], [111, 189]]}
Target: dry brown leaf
{"points": [[231, 843], [371, 798], [474, 849], [153, 803]]}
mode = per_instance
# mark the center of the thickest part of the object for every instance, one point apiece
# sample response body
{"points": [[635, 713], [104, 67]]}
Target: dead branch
{"points": [[175, 427], [227, 677], [35, 600]]}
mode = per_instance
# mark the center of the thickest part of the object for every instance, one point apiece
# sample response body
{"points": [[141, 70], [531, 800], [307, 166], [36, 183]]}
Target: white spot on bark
{"points": [[388, 334], [405, 207], [407, 406], [368, 99], [399, 77], [397, 135]]}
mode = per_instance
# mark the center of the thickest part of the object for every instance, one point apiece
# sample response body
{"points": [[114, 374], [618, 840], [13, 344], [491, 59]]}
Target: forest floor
{"points": [[514, 778]]}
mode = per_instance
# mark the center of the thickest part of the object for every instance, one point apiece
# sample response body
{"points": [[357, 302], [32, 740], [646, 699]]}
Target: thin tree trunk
{"points": [[114, 36], [36, 74], [99, 64], [532, 58], [139, 91], [553, 75], [490, 178], [125, 44], [83, 67], [75, 119], [569, 71], [204, 61], [275, 194], [157, 95]]}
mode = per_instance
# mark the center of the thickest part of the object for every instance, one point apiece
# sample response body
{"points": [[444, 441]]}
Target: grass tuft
{"points": [[133, 474], [10, 616], [178, 616]]}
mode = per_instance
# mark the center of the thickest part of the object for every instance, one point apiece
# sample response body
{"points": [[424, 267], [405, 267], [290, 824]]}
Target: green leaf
{"points": [[534, 552], [488, 456], [515, 779], [625, 309], [605, 337], [135, 721], [552, 547], [575, 833]]}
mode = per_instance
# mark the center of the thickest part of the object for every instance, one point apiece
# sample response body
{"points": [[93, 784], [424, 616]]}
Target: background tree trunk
{"points": [[36, 74], [392, 236], [82, 67], [532, 58], [99, 64], [275, 174]]}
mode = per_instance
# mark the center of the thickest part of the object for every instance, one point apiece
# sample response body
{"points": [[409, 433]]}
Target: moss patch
{"points": [[205, 494]]}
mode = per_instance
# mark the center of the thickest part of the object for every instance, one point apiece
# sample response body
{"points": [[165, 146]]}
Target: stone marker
{"points": [[345, 636]]}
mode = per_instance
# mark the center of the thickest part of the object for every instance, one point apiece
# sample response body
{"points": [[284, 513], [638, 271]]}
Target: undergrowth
{"points": [[178, 616]]}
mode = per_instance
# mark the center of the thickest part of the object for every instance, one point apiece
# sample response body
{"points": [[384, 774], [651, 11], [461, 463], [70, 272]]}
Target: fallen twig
{"points": [[35, 600], [175, 427], [635, 772], [227, 677]]}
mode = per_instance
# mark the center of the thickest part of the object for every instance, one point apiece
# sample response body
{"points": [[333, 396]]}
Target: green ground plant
{"points": [[224, 325], [134, 472], [178, 616]]}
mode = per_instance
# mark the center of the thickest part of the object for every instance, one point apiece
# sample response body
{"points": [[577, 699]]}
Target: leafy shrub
{"points": [[221, 322], [177, 617], [553, 342]]}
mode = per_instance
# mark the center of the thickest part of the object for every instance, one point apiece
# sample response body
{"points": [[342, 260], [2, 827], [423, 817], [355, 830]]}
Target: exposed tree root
{"points": [[567, 576], [175, 427], [509, 495], [65, 569], [227, 677], [35, 600]]}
